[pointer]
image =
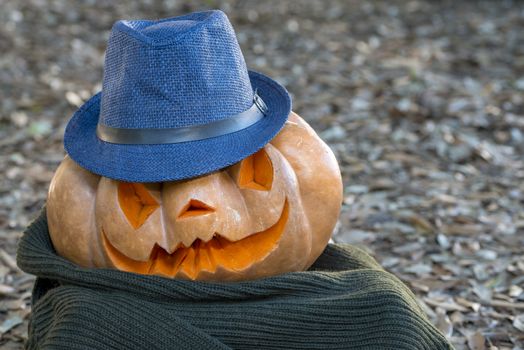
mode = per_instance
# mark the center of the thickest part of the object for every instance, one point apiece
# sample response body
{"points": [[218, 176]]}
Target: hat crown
{"points": [[172, 73]]}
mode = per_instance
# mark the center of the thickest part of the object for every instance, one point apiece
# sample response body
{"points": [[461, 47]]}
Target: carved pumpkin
{"points": [[271, 213]]}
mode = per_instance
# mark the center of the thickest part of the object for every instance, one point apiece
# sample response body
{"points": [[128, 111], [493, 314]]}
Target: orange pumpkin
{"points": [[271, 213]]}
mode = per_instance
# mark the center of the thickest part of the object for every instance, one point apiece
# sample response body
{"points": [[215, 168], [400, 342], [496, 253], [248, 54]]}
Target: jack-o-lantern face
{"points": [[273, 212]]}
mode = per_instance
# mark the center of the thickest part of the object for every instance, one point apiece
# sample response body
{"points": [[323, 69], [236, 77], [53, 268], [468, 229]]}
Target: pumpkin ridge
{"points": [[97, 244]]}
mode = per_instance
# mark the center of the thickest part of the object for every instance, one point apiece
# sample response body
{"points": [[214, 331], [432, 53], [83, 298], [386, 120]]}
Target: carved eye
{"points": [[136, 202], [256, 172]]}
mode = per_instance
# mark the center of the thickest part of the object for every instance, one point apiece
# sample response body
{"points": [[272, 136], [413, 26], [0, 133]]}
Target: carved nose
{"points": [[194, 208]]}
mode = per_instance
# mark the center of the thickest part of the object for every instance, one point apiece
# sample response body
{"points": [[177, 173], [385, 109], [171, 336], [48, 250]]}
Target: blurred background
{"points": [[421, 101]]}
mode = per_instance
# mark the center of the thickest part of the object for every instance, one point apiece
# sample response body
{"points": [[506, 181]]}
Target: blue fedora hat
{"points": [[177, 101]]}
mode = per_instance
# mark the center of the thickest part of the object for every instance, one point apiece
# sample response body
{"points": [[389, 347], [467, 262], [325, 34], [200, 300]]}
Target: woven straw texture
{"points": [[177, 72]]}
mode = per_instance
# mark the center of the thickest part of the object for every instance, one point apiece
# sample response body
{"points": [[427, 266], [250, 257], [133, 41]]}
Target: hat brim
{"points": [[174, 161]]}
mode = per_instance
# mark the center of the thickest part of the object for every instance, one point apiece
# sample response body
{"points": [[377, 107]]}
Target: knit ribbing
{"points": [[345, 301]]}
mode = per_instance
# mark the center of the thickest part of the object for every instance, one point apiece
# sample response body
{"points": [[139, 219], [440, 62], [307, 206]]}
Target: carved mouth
{"points": [[189, 261]]}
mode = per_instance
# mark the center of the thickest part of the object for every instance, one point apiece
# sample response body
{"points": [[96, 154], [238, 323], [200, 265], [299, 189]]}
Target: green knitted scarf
{"points": [[345, 301]]}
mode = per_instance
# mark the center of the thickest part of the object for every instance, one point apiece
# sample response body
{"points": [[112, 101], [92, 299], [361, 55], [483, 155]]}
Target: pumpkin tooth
{"points": [[214, 252], [181, 254], [196, 261], [188, 266], [174, 248], [153, 257], [163, 262], [206, 260]]}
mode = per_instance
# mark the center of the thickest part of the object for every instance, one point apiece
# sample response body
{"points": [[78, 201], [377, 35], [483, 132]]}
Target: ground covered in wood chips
{"points": [[422, 102]]}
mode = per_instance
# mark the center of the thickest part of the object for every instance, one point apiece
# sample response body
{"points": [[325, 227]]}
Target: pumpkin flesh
{"points": [[203, 256]]}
